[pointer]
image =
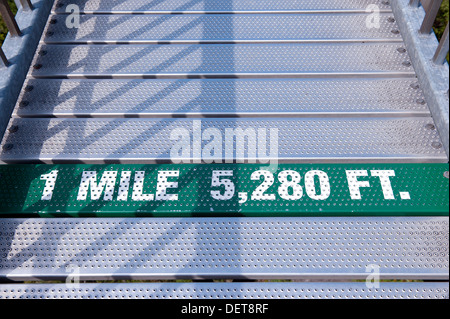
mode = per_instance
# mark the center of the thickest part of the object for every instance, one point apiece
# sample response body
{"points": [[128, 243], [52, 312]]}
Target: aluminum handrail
{"points": [[432, 9]]}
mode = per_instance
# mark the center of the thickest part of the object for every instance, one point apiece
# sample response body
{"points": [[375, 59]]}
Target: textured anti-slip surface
{"points": [[219, 5], [322, 83], [243, 248], [387, 290], [165, 140], [221, 97], [214, 27], [347, 86], [78, 61]]}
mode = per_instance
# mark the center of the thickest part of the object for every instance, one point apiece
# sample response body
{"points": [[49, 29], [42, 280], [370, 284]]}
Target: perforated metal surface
{"points": [[218, 5], [149, 141], [217, 248], [95, 249], [221, 97], [219, 59], [228, 291], [202, 28]]}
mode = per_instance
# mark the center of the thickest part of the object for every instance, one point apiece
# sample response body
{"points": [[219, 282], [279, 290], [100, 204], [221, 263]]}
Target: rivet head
{"points": [[385, 2], [24, 104], [8, 147], [53, 21], [395, 31], [37, 66], [421, 101], [29, 88], [430, 127], [406, 63], [13, 129], [446, 174], [401, 50], [391, 19], [60, 4], [43, 52], [436, 145], [50, 33], [415, 86]]}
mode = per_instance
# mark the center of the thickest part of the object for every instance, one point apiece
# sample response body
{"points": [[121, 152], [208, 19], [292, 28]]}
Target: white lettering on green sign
{"points": [[289, 186]]}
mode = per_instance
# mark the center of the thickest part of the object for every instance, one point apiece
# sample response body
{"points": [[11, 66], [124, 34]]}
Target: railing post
{"points": [[26, 5], [8, 17], [430, 17], [3, 60], [442, 50]]}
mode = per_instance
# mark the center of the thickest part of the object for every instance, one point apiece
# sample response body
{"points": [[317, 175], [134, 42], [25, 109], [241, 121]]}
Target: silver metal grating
{"points": [[150, 141], [219, 60], [219, 248], [219, 5], [216, 290], [221, 28], [221, 97], [334, 90]]}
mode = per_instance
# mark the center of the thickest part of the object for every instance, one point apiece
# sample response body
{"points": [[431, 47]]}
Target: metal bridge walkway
{"points": [[337, 88], [335, 81]]}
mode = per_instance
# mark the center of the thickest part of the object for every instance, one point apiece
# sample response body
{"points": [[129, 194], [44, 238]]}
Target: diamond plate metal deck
{"points": [[221, 98], [276, 248], [136, 6], [220, 28], [219, 60], [153, 141], [387, 290]]}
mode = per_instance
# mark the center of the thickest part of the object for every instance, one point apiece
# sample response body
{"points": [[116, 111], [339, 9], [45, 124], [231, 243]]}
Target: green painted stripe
{"points": [[237, 190]]}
